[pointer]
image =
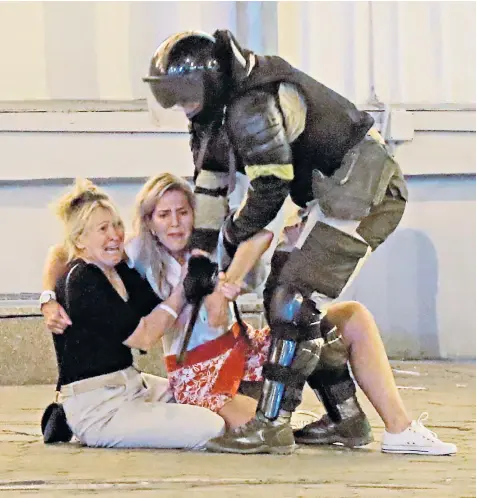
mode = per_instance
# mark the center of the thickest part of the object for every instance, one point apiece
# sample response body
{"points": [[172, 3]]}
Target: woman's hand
{"points": [[217, 307], [231, 290], [56, 318]]}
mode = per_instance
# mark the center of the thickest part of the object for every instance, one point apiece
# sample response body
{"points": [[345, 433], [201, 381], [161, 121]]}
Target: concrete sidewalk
{"points": [[445, 390]]}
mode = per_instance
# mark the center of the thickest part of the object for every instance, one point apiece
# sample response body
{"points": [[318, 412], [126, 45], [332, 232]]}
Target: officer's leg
{"points": [[309, 332], [332, 348], [325, 260], [345, 421], [293, 356], [336, 250]]}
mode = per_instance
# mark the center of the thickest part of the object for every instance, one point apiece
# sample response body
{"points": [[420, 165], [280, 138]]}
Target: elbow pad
{"points": [[256, 129]]}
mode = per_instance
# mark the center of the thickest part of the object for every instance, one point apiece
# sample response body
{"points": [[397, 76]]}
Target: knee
{"points": [[358, 311], [364, 318], [351, 318], [359, 323]]}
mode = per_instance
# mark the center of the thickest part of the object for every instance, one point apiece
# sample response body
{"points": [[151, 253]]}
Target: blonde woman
{"points": [[108, 403], [218, 358]]}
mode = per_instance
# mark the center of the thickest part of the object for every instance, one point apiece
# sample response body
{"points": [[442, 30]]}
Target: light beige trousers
{"points": [[133, 410]]}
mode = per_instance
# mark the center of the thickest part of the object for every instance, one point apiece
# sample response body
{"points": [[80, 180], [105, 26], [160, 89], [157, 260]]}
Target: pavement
{"points": [[445, 390]]}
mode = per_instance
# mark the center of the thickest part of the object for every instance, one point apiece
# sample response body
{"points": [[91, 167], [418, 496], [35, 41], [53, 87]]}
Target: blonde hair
{"points": [[151, 252], [75, 208]]}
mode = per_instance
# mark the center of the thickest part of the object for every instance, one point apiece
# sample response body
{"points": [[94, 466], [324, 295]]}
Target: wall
{"points": [[411, 52], [91, 50], [402, 52], [84, 113]]}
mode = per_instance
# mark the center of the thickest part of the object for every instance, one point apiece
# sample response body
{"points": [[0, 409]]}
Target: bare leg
{"points": [[369, 362], [238, 411]]}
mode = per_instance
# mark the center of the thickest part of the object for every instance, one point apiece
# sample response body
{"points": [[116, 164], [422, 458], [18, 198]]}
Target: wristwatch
{"points": [[46, 296]]}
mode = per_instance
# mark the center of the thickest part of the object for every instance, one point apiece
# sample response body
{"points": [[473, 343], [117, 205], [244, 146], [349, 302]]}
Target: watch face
{"points": [[45, 298]]}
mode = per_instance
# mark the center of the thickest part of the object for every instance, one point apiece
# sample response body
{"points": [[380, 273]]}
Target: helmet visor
{"points": [[171, 90]]}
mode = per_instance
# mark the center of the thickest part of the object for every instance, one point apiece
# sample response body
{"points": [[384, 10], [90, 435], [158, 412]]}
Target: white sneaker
{"points": [[416, 439]]}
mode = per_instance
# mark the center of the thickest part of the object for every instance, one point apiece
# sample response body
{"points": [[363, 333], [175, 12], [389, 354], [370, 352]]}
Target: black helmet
{"points": [[185, 70]]}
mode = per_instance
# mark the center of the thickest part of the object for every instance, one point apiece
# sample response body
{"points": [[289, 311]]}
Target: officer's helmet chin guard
{"points": [[184, 70]]}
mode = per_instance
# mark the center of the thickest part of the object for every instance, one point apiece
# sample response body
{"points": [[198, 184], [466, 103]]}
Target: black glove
{"points": [[201, 278]]}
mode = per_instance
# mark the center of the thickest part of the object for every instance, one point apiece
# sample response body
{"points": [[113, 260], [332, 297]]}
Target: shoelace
{"points": [[252, 424], [301, 418], [424, 430]]}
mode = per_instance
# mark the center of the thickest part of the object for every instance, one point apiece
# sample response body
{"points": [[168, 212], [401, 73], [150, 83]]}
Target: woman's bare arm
{"points": [[217, 306], [55, 266], [55, 316], [152, 327]]}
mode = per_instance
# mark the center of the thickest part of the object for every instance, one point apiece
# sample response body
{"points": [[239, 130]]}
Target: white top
{"points": [[172, 339]]}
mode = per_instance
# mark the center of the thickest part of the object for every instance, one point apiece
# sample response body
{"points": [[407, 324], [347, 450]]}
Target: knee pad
{"points": [[292, 316], [289, 362], [304, 363], [297, 369]]}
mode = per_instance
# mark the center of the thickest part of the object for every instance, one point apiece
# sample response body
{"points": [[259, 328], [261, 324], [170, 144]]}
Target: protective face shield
{"points": [[185, 72]]}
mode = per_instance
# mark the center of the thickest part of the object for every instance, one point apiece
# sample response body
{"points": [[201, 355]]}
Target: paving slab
{"points": [[446, 390]]}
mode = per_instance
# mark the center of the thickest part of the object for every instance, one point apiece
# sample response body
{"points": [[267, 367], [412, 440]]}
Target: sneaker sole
{"points": [[276, 450], [408, 451]]}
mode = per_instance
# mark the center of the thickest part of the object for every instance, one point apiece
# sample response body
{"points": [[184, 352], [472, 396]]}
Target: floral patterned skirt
{"points": [[211, 373]]}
